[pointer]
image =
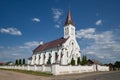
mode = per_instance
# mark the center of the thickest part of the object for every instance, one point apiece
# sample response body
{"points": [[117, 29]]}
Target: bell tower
{"points": [[69, 27]]}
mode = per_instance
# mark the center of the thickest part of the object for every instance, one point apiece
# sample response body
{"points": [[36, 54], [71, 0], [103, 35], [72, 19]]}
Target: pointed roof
{"points": [[69, 19], [52, 44]]}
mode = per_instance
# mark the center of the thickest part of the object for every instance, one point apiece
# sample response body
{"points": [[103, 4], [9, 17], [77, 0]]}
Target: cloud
{"points": [[17, 52], [36, 20], [29, 44], [85, 33], [98, 22], [1, 47], [57, 13], [103, 46], [57, 26], [11, 31]]}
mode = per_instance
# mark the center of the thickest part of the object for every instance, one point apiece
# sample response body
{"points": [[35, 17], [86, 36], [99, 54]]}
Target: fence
{"points": [[57, 69]]}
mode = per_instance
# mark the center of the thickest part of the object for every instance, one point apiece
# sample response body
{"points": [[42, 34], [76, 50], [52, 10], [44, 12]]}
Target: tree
{"points": [[23, 62], [84, 60], [49, 61], [20, 62], [117, 64], [78, 61], [16, 62], [72, 62]]}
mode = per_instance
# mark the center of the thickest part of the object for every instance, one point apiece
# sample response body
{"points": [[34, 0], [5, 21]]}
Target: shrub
{"points": [[23, 62], [78, 61], [16, 62], [72, 62]]}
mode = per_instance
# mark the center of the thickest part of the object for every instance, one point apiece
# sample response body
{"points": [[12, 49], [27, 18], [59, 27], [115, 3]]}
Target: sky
{"points": [[24, 23]]}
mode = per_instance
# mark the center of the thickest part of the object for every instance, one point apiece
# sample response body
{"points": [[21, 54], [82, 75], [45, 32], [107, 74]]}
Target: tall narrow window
{"points": [[39, 57], [49, 59], [44, 56], [35, 57], [56, 56], [67, 53]]}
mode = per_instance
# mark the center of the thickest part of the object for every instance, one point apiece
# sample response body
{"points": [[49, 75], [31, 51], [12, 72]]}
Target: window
{"points": [[44, 56], [39, 57], [35, 57], [67, 53], [56, 56]]}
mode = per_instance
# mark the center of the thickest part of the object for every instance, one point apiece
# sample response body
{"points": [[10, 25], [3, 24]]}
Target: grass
{"points": [[29, 72]]}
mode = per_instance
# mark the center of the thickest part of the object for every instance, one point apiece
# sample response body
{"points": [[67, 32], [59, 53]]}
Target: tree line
{"points": [[20, 62], [79, 61]]}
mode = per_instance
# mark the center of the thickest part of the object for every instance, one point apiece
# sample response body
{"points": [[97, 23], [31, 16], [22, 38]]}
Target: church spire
{"points": [[69, 19]]}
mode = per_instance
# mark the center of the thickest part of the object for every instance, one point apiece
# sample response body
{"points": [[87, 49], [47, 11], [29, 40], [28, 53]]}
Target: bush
{"points": [[49, 61], [78, 61], [23, 61], [84, 60], [16, 62], [20, 62], [72, 62], [117, 64]]}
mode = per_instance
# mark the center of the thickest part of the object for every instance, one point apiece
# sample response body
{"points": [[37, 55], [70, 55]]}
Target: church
{"points": [[60, 51]]}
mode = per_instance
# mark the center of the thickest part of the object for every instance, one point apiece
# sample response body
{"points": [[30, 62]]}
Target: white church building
{"points": [[61, 50]]}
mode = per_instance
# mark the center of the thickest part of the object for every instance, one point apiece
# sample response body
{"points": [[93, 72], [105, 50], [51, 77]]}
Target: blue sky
{"points": [[24, 23]]}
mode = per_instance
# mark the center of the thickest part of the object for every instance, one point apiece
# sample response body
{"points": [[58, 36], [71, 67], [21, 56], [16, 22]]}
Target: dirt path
{"points": [[10, 75]]}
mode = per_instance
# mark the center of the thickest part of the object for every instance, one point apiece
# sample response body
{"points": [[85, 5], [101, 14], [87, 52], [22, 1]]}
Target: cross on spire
{"points": [[69, 19]]}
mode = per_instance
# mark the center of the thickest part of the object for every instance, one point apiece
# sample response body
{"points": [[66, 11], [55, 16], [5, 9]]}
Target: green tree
{"points": [[84, 60], [16, 62], [78, 61], [117, 64], [23, 62], [49, 61], [72, 62], [20, 62]]}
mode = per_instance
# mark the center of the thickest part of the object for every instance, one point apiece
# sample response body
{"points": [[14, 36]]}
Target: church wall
{"points": [[57, 69]]}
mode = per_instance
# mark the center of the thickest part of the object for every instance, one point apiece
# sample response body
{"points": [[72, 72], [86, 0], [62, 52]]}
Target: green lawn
{"points": [[29, 72]]}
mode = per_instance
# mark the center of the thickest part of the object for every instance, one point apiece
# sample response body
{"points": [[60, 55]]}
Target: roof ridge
{"points": [[51, 44]]}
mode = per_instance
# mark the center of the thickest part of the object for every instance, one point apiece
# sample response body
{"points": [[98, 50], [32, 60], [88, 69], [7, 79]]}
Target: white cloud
{"points": [[36, 19], [11, 31], [57, 13], [98, 22], [17, 52], [85, 33], [29, 45], [104, 45], [1, 47], [57, 26]]}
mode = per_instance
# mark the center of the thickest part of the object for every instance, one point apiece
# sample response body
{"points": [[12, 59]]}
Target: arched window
{"points": [[67, 53], [56, 56], [39, 57], [35, 57], [61, 54], [44, 56]]}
